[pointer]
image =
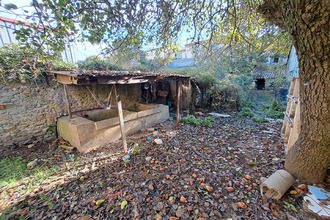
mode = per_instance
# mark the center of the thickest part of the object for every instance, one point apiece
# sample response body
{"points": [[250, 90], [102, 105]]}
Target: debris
{"points": [[158, 141], [148, 139], [123, 204], [126, 157], [148, 158], [313, 204], [70, 156], [30, 146], [319, 193], [66, 147], [32, 164], [99, 202], [276, 185], [150, 129]]}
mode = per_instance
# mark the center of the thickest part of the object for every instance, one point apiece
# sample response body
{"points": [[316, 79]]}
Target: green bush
{"points": [[246, 112], [96, 63]]}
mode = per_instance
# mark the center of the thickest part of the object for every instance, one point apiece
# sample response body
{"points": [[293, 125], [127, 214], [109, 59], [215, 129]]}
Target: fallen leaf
{"points": [[303, 186], [230, 189], [241, 205], [293, 192], [123, 204], [248, 177], [275, 213], [99, 202], [151, 187], [183, 199], [165, 196], [25, 211]]}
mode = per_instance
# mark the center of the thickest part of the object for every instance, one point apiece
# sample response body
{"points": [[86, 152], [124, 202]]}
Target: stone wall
{"points": [[35, 107]]}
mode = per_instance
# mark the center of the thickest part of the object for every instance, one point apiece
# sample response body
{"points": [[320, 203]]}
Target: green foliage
{"points": [[96, 63], [249, 104], [260, 120], [198, 122], [208, 121], [51, 129], [62, 65], [192, 120], [138, 149], [23, 64], [274, 110], [246, 112]]}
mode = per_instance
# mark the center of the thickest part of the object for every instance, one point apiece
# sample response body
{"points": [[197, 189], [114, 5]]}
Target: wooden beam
{"points": [[67, 100], [121, 120], [178, 90]]}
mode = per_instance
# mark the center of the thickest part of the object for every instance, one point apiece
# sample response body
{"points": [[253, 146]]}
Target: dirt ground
{"points": [[196, 173]]}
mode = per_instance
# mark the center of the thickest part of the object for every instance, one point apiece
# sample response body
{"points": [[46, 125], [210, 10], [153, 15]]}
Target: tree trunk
{"points": [[308, 22]]}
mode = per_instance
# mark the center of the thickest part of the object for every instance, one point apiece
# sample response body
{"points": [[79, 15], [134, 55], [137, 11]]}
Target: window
{"points": [[178, 56]]}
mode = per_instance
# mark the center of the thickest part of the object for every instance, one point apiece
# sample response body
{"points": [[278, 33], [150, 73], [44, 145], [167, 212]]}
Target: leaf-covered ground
{"points": [[196, 173]]}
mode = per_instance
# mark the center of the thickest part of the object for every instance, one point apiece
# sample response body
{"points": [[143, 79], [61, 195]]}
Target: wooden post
{"points": [[178, 90], [67, 100], [121, 119]]}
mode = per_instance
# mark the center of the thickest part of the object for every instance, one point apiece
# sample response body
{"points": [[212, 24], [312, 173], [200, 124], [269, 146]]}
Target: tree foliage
{"points": [[18, 63], [122, 24]]}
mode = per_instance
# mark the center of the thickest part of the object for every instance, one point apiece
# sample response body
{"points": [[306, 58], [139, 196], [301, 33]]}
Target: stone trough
{"points": [[90, 129]]}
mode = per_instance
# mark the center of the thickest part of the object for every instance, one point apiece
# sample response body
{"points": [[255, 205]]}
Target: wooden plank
{"points": [[67, 100], [121, 120], [178, 90]]}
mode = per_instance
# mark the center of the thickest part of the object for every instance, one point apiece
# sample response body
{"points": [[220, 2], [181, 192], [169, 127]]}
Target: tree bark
{"points": [[308, 22]]}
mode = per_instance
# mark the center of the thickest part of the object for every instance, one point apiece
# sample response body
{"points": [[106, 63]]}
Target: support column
{"points": [[67, 100], [121, 120], [178, 91]]}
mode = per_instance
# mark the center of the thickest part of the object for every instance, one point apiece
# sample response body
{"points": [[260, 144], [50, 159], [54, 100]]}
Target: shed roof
{"points": [[92, 77], [268, 75]]}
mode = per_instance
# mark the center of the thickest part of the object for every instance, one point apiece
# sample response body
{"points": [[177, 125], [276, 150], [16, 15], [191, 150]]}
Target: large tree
{"points": [[308, 22], [139, 22]]}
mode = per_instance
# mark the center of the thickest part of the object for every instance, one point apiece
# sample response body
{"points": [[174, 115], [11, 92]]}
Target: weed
{"points": [[274, 110], [246, 112], [126, 162], [192, 120], [51, 129], [208, 121], [198, 122], [260, 120], [138, 149]]}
